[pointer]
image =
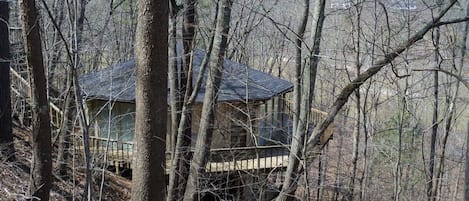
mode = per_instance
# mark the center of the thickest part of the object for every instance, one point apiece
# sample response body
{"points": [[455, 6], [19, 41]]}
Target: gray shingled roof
{"points": [[237, 79]]}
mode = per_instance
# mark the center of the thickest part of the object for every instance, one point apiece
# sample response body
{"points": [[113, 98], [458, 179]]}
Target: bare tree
{"points": [[207, 118], [466, 168], [148, 181], [302, 84], [304, 104], [41, 181], [431, 165], [450, 117], [180, 171], [6, 135]]}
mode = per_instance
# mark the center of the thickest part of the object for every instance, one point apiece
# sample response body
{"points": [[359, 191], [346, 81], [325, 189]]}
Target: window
{"points": [[341, 4], [404, 5], [238, 136]]}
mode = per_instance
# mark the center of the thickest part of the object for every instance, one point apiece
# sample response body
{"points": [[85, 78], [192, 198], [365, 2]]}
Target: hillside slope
{"points": [[15, 177]]}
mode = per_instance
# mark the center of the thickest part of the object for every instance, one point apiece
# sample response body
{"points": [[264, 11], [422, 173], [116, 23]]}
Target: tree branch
{"points": [[319, 139], [453, 21], [459, 78]]}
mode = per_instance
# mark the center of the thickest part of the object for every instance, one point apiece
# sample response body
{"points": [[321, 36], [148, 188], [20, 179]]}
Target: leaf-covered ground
{"points": [[14, 177]]}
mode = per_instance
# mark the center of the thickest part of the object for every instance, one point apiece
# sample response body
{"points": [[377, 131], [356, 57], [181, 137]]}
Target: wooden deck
{"points": [[220, 160], [22, 89], [119, 154], [262, 163]]}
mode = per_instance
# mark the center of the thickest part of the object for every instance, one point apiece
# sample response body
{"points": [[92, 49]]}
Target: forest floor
{"points": [[14, 177]]}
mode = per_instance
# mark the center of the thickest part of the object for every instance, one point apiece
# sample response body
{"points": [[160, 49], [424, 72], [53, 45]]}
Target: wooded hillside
{"points": [[234, 100]]}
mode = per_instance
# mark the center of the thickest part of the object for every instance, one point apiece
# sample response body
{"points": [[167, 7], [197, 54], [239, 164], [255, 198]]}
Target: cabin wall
{"points": [[116, 119], [235, 125], [276, 121]]}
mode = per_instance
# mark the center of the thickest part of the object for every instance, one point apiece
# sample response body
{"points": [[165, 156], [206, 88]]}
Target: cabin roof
{"points": [[239, 82]]}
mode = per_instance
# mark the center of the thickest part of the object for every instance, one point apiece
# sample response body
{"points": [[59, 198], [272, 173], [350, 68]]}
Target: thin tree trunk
{"points": [[320, 138], [188, 34], [307, 94], [175, 101], [398, 172], [356, 136], [298, 133], [148, 179], [177, 140], [207, 118], [41, 166], [466, 166], [56, 52], [78, 22], [434, 134], [6, 135], [298, 65], [65, 130], [451, 111]]}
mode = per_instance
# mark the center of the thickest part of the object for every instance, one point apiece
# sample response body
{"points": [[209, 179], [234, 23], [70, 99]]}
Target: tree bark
{"points": [[148, 182], [188, 33], [66, 129], [207, 118], [6, 135], [298, 65], [298, 119], [175, 102], [466, 166], [306, 94], [451, 112], [434, 133], [41, 166]]}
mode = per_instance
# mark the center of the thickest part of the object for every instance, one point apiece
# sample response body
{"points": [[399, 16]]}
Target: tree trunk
{"points": [[298, 65], [66, 129], [451, 114], [6, 135], [57, 47], [466, 168], [307, 94], [175, 102], [188, 34], [357, 133], [298, 120], [207, 118], [78, 22], [431, 165], [41, 166], [148, 182]]}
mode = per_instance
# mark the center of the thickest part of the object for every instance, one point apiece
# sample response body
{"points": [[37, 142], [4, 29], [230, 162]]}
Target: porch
{"points": [[119, 154]]}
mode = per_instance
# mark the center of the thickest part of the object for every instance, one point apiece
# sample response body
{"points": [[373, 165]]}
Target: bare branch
{"points": [[459, 78], [453, 21], [319, 139]]}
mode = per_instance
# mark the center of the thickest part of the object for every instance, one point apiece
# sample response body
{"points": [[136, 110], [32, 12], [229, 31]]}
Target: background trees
{"points": [[376, 70]]}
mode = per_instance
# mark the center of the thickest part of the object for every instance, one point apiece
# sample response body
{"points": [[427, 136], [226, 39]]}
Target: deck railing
{"points": [[317, 116], [116, 150], [21, 88], [248, 158], [220, 160]]}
